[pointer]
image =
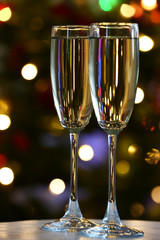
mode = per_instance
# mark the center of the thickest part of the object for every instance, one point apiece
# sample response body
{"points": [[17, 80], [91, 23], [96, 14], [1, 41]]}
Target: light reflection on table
{"points": [[31, 230]]}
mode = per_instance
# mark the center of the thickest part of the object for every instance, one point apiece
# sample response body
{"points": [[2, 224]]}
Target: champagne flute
{"points": [[71, 93], [114, 68]]}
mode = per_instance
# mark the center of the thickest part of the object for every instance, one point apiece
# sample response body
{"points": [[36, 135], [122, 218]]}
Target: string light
{"points": [[127, 10], [149, 5], [86, 152], [29, 71], [6, 176], [5, 122], [57, 186], [5, 14], [139, 95], [145, 43]]}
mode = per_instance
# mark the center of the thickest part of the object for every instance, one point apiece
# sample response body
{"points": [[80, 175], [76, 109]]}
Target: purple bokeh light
{"points": [[97, 139]]}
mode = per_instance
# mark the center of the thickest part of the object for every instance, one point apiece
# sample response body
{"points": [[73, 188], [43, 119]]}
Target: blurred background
{"points": [[34, 148]]}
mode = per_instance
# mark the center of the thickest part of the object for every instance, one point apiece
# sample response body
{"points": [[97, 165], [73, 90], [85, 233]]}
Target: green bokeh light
{"points": [[107, 5]]}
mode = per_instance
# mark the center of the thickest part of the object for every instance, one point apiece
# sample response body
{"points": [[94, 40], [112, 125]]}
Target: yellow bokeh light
{"points": [[137, 210], [29, 71], [5, 122], [55, 124], [86, 152], [155, 194], [132, 149], [4, 107], [145, 43], [127, 10], [139, 95], [149, 4], [57, 186], [6, 176], [5, 14], [123, 167]]}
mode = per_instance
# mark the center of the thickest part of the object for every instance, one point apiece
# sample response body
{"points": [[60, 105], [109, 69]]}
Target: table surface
{"points": [[31, 230]]}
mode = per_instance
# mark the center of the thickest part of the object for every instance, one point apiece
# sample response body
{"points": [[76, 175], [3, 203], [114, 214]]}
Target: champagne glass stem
{"points": [[73, 207], [111, 215]]}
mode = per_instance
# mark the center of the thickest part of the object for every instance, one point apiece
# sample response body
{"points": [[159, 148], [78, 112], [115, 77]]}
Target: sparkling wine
{"points": [[70, 81], [113, 77]]}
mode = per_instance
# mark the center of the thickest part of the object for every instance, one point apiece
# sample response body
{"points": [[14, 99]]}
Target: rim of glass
{"points": [[71, 27], [70, 31], [114, 24]]}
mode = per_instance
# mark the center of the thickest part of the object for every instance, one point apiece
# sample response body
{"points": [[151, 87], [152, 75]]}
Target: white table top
{"points": [[31, 230]]}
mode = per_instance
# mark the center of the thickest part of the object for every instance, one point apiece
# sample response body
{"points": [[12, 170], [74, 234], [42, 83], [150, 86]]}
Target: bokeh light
{"points": [[134, 150], [29, 71], [155, 194], [107, 5], [3, 160], [145, 43], [55, 124], [5, 122], [4, 107], [138, 10], [139, 95], [127, 10], [155, 16], [5, 14], [122, 167], [6, 176], [57, 186], [86, 152], [137, 210], [149, 5]]}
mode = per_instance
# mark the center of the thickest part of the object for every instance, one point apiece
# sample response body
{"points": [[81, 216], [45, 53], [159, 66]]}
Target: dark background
{"points": [[38, 152]]}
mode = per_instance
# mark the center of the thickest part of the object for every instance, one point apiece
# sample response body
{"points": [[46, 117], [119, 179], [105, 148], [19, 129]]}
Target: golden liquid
{"points": [[70, 82], [114, 66]]}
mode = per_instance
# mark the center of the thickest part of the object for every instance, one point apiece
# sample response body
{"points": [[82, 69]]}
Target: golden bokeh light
{"points": [[86, 152], [155, 194], [5, 14], [134, 150], [127, 10], [4, 107], [122, 167], [6, 176], [5, 122], [145, 43], [137, 210], [57, 186], [29, 71], [149, 5], [139, 95], [55, 124]]}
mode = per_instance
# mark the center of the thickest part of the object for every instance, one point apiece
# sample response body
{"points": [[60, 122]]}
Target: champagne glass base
{"points": [[73, 224], [112, 230]]}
